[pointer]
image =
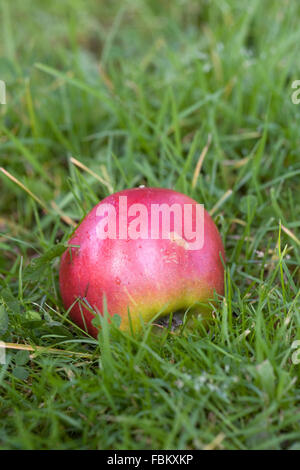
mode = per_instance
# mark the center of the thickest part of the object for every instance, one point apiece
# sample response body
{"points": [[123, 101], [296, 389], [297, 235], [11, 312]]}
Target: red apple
{"points": [[144, 250]]}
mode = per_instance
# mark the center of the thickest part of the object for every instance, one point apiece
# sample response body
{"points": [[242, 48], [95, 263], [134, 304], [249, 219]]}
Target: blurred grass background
{"points": [[134, 90]]}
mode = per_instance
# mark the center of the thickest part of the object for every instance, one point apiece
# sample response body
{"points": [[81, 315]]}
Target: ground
{"points": [[103, 96]]}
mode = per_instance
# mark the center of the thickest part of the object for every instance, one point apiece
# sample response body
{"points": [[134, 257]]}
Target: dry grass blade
{"points": [[290, 234], [62, 215], [221, 201], [41, 349], [237, 163], [21, 185], [216, 442], [200, 161], [88, 170]]}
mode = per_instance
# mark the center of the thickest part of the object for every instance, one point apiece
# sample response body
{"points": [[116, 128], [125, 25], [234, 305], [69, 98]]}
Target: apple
{"points": [[139, 252]]}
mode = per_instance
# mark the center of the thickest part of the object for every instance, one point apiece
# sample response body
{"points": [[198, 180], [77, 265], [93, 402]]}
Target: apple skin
{"points": [[144, 276]]}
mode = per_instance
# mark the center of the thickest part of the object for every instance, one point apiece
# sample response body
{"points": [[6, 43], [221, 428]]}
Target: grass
{"points": [[103, 96]]}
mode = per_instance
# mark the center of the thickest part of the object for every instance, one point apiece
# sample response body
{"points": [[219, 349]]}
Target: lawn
{"points": [[102, 96]]}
